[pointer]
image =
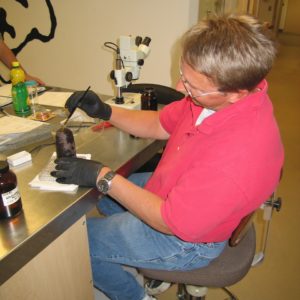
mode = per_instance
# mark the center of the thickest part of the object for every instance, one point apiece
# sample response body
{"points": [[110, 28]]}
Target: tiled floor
{"points": [[278, 277]]}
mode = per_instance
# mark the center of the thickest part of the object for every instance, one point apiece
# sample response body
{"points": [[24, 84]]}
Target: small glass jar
{"points": [[149, 99], [32, 95], [10, 199]]}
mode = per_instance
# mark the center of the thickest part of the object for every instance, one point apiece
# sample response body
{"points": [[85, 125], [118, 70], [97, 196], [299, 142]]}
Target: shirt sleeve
{"points": [[171, 113]]}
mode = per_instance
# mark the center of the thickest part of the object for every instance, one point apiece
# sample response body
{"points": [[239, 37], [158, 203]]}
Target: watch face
{"points": [[103, 186]]}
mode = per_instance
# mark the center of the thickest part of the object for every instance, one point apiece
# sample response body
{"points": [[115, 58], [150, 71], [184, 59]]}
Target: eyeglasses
{"points": [[201, 94]]}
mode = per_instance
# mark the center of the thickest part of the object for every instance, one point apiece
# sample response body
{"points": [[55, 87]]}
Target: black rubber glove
{"points": [[91, 104], [74, 170]]}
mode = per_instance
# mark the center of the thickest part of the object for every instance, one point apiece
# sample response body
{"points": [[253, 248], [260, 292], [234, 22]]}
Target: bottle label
{"points": [[20, 99], [11, 197]]}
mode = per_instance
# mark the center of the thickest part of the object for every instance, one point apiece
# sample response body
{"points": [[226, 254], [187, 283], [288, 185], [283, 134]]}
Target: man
{"points": [[222, 160], [7, 57]]}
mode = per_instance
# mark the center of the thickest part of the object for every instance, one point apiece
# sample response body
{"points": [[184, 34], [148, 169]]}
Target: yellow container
{"points": [[16, 73]]}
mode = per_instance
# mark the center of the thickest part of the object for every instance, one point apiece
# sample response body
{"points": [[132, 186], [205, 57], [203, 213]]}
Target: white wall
{"points": [[76, 58]]}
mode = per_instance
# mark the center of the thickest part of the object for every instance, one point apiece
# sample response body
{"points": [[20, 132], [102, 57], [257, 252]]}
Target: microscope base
{"points": [[131, 101]]}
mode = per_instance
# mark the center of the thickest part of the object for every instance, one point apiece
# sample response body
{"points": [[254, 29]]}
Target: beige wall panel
{"points": [[292, 21], [61, 271], [75, 58]]}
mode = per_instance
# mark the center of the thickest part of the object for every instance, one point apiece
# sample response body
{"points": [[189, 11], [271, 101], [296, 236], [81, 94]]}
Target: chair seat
{"points": [[230, 267]]}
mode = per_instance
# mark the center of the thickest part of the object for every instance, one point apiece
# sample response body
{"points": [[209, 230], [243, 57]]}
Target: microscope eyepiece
{"points": [[138, 40], [146, 41]]}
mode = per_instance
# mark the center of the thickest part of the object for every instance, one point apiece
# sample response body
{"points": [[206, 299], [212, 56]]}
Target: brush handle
{"points": [[78, 105]]}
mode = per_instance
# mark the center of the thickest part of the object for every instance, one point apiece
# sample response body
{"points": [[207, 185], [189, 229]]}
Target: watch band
{"points": [[104, 183], [109, 175]]}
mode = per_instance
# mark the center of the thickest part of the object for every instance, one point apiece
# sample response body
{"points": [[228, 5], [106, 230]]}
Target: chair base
{"points": [[232, 296], [183, 293], [197, 293]]}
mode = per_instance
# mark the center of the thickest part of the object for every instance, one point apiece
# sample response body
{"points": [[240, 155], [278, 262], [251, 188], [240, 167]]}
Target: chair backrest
{"points": [[241, 230], [246, 222], [165, 94]]}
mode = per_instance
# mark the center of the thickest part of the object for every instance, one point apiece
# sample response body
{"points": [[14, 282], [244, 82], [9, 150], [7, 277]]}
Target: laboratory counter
{"points": [[49, 214]]}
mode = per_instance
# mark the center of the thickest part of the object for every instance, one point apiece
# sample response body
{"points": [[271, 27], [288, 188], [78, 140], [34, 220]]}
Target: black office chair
{"points": [[165, 95], [229, 268]]}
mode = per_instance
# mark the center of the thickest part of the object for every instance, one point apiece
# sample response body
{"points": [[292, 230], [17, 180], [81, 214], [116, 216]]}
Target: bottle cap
{"points": [[30, 83], [149, 90], [15, 64], [3, 166]]}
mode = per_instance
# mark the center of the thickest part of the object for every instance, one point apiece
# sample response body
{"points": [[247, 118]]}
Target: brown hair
{"points": [[235, 52]]}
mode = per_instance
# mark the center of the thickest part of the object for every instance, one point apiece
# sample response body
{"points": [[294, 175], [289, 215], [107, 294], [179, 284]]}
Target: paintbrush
{"points": [[77, 105]]}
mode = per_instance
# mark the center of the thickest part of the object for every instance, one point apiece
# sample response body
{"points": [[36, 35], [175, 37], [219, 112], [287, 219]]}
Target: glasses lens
{"points": [[199, 94], [185, 84]]}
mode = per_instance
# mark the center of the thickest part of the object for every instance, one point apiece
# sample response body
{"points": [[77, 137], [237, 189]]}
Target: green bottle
{"points": [[19, 91], [20, 99]]}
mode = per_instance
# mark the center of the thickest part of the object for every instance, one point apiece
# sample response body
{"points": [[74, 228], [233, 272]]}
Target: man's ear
{"points": [[236, 96]]}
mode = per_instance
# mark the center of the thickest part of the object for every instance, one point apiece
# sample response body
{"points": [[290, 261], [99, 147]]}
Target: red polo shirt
{"points": [[213, 174]]}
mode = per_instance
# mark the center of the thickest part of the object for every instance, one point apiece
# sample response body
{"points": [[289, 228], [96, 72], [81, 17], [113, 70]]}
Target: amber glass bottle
{"points": [[10, 199], [149, 99]]}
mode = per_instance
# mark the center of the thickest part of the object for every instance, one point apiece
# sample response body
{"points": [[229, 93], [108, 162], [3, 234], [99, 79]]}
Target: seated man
{"points": [[221, 162], [7, 57]]}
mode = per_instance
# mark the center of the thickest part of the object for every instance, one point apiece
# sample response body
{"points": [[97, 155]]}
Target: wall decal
{"points": [[34, 34]]}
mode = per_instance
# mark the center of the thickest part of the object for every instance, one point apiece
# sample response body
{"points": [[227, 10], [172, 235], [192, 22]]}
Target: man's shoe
{"points": [[156, 287], [147, 297]]}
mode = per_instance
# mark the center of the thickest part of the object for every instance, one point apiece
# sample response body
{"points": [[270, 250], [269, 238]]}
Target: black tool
{"points": [[3, 111], [78, 105]]}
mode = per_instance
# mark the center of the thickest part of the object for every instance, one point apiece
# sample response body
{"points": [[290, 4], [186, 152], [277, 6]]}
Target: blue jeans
{"points": [[121, 239]]}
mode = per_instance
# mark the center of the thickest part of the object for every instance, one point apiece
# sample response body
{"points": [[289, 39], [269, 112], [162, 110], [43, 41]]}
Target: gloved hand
{"points": [[74, 170], [91, 104]]}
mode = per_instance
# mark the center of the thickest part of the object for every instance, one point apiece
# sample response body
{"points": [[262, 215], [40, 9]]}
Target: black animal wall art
{"points": [[33, 33]]}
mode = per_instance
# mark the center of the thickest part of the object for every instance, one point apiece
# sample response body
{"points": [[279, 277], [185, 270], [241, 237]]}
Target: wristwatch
{"points": [[104, 183]]}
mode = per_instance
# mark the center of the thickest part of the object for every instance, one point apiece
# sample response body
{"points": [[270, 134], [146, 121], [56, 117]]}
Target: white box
{"points": [[19, 158]]}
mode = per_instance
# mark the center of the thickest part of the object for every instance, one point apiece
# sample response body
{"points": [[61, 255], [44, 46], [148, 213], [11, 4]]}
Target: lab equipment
{"points": [[31, 86], [149, 99], [64, 139], [130, 55], [77, 104], [65, 143], [10, 199]]}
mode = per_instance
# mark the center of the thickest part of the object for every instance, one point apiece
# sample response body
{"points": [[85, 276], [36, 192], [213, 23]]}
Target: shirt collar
{"points": [[249, 102]]}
